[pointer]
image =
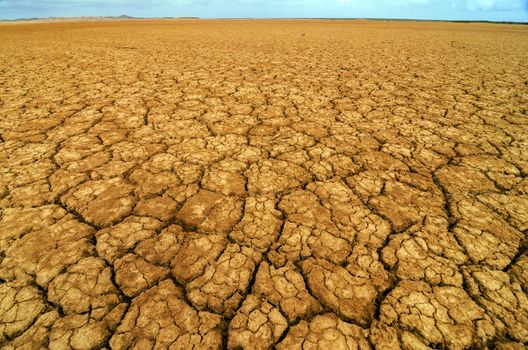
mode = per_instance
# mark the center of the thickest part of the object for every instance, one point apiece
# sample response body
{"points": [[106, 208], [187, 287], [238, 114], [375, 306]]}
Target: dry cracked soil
{"points": [[263, 185]]}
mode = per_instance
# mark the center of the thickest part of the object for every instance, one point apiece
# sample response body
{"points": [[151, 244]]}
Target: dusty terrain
{"points": [[263, 184]]}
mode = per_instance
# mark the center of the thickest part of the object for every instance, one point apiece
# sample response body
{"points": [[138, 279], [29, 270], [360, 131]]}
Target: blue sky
{"points": [[496, 10]]}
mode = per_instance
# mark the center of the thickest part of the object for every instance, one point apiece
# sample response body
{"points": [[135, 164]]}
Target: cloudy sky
{"points": [[497, 10]]}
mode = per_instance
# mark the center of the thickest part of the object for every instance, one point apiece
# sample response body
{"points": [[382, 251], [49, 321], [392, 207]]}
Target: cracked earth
{"points": [[263, 184]]}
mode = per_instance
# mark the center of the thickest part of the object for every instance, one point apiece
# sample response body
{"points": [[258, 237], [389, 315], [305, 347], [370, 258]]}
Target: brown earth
{"points": [[263, 184]]}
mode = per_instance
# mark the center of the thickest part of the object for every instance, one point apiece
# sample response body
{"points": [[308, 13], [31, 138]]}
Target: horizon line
{"points": [[126, 17]]}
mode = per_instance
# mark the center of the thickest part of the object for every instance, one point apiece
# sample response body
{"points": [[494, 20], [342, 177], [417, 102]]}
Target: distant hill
{"points": [[62, 19], [86, 18], [126, 17]]}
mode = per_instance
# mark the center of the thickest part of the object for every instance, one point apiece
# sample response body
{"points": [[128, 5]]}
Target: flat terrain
{"points": [[263, 184]]}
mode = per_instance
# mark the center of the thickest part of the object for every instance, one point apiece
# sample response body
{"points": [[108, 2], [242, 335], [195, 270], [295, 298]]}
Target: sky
{"points": [[494, 10]]}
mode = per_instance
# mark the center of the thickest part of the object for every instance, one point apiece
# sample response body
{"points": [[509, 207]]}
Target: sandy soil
{"points": [[263, 184]]}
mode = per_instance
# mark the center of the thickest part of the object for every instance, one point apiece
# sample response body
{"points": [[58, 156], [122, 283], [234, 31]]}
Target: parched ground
{"points": [[263, 184]]}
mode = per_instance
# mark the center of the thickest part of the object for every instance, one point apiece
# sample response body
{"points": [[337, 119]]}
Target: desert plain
{"points": [[263, 184]]}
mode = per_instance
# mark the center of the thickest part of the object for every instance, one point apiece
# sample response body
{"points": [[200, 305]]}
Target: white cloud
{"points": [[487, 5], [472, 5], [467, 4]]}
